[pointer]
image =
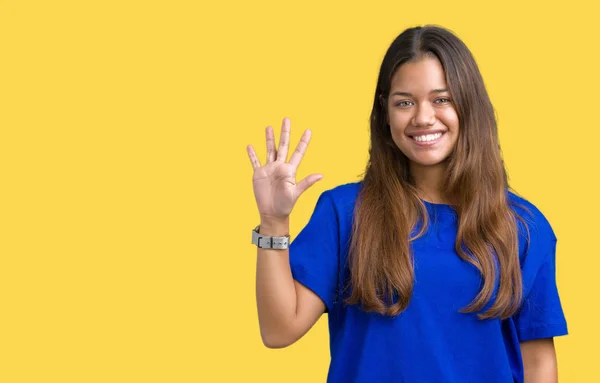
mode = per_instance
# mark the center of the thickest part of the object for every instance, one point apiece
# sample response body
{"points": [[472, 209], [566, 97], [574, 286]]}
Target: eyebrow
{"points": [[398, 93]]}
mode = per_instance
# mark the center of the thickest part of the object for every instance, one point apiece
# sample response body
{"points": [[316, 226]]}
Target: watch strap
{"points": [[269, 242]]}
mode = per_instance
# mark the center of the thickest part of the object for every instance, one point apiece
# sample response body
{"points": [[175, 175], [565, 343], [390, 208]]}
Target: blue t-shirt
{"points": [[431, 341]]}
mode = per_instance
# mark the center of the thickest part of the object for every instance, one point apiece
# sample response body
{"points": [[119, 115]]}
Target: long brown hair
{"points": [[388, 206]]}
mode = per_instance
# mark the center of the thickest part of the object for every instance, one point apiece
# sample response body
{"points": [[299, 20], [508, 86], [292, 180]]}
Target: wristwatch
{"points": [[267, 242]]}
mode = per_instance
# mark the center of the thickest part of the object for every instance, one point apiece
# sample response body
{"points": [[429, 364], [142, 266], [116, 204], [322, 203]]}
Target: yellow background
{"points": [[127, 202]]}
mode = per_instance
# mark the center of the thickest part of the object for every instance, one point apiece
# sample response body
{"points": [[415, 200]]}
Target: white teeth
{"points": [[428, 137]]}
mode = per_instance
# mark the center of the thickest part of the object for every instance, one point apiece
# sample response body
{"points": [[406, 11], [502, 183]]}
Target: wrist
{"points": [[275, 227]]}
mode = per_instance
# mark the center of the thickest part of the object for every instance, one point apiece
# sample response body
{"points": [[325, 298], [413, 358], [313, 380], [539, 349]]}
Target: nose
{"points": [[424, 115]]}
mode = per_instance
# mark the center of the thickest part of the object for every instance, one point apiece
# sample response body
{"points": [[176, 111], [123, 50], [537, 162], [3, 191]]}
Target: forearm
{"points": [[541, 373], [275, 289], [539, 361]]}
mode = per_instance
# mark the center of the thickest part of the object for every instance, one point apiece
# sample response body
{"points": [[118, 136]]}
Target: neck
{"points": [[428, 180]]}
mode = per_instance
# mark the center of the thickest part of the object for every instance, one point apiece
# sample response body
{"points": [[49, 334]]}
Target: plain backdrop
{"points": [[126, 199]]}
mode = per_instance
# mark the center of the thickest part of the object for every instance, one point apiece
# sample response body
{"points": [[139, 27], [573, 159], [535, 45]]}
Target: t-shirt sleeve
{"points": [[314, 253], [541, 314]]}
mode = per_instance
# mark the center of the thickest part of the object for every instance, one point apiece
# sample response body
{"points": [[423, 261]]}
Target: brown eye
{"points": [[404, 104]]}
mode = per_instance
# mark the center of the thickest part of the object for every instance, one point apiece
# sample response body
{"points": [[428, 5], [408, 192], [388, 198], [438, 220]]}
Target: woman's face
{"points": [[421, 114]]}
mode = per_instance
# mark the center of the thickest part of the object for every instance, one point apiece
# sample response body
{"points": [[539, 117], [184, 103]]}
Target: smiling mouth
{"points": [[427, 139]]}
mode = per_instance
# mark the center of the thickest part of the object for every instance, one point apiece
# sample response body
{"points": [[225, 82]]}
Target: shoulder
{"points": [[344, 194], [342, 197], [531, 214], [340, 201], [535, 231]]}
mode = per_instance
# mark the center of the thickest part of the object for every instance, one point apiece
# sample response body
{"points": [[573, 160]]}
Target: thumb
{"points": [[308, 182]]}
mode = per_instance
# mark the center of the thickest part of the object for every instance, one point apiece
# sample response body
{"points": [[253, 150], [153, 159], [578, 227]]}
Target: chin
{"points": [[430, 162]]}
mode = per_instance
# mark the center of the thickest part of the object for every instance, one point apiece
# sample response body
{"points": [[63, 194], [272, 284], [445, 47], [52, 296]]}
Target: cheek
{"points": [[449, 118], [397, 129], [399, 121]]}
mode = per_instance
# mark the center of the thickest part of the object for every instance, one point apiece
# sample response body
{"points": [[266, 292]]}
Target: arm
{"points": [[286, 308], [539, 361]]}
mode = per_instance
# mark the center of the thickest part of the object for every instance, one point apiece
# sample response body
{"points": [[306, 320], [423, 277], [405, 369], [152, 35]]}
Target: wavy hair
{"points": [[388, 206]]}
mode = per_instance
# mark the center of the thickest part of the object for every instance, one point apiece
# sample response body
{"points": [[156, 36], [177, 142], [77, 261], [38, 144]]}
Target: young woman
{"points": [[430, 268]]}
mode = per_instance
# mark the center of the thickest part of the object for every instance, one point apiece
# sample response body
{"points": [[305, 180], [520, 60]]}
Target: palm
{"points": [[275, 187]]}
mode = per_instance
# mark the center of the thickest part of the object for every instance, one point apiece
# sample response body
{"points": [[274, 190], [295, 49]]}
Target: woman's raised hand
{"points": [[274, 183]]}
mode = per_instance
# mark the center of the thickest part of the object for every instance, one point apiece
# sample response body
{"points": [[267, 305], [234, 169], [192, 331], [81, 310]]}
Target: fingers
{"points": [[253, 159], [284, 140], [301, 148], [270, 145], [308, 182]]}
